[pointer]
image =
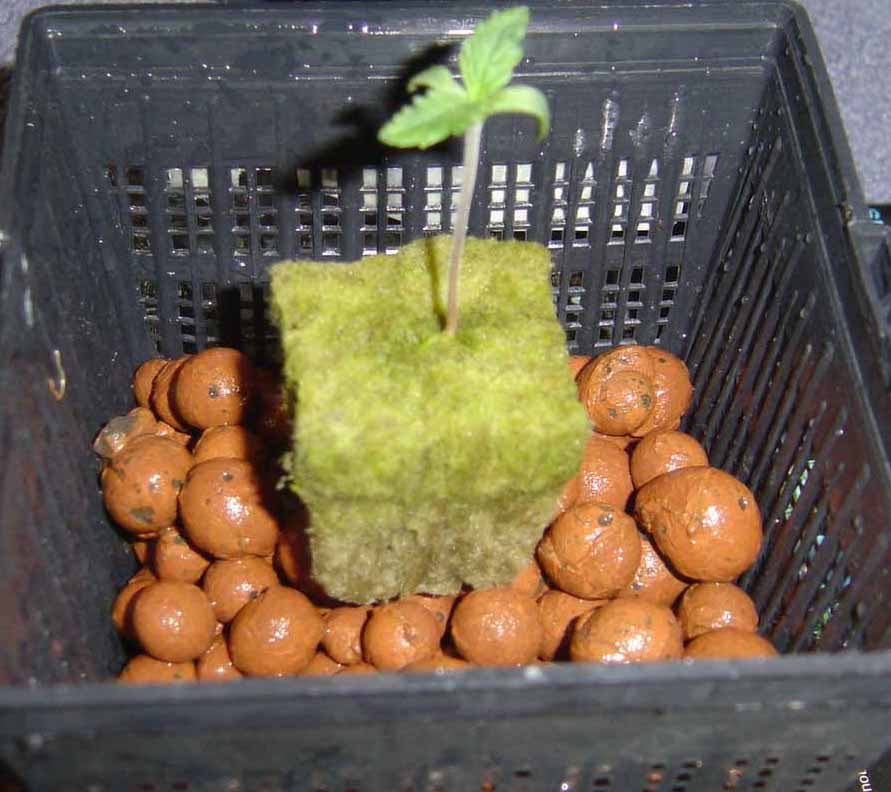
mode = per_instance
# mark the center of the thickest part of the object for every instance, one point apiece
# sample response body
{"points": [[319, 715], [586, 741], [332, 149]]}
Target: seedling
{"points": [[448, 107], [430, 459]]}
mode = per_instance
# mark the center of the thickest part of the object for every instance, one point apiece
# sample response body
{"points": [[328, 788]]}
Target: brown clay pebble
{"points": [[359, 668], [162, 394], [276, 634], [663, 451], [145, 670], [213, 388], [166, 430], [141, 484], [619, 441], [342, 639], [234, 442], [122, 610], [529, 581], [215, 665], [672, 390], [321, 665], [399, 633], [626, 631], [438, 663], [703, 520], [173, 621], [231, 584], [729, 642], [272, 419], [119, 431], [173, 558], [592, 551], [712, 606], [653, 581], [141, 550], [558, 613], [497, 627], [617, 390], [223, 510], [144, 378], [604, 474], [440, 606], [292, 548], [568, 496], [577, 363]]}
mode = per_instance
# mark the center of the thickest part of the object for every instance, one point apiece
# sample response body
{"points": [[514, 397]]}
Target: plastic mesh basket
{"points": [[696, 192]]}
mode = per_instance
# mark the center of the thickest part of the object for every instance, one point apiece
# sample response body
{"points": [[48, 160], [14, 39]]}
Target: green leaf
{"points": [[435, 78], [431, 118], [487, 59], [523, 99]]}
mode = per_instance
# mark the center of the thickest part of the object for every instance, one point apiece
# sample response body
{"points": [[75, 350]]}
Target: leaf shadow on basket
{"points": [[358, 147]]}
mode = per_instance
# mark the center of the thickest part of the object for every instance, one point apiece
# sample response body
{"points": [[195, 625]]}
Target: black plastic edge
{"points": [[799, 675]]}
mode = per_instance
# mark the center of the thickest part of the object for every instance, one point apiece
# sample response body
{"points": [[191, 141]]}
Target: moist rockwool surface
{"points": [[426, 461]]}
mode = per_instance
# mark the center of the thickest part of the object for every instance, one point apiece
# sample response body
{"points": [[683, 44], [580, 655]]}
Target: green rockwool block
{"points": [[426, 461]]}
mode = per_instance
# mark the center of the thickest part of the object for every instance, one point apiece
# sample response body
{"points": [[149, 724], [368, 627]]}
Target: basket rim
{"points": [[791, 673]]}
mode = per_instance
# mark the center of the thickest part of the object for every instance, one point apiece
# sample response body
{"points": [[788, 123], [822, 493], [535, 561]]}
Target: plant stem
{"points": [[459, 233]]}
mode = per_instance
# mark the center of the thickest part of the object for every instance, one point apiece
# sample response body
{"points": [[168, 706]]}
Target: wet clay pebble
{"points": [[234, 442], [440, 606], [223, 510], [577, 363], [271, 416], [712, 606], [558, 613], [617, 390], [626, 631], [591, 551], [529, 581], [141, 550], [623, 442], [144, 670], [568, 496], [704, 521], [342, 639], [292, 549], [663, 451], [653, 581], [119, 431], [672, 390], [358, 668], [276, 634], [497, 627], [231, 584], [161, 400], [215, 665], [122, 610], [291, 555], [141, 484], [144, 378], [213, 388], [166, 430], [438, 663], [399, 633], [321, 665], [173, 558], [604, 474], [729, 642], [173, 621]]}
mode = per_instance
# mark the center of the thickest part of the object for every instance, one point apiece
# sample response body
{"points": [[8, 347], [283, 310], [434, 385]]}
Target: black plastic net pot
{"points": [[696, 192]]}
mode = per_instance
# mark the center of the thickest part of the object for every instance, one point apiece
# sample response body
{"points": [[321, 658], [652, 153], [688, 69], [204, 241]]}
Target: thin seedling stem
{"points": [[472, 139]]}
